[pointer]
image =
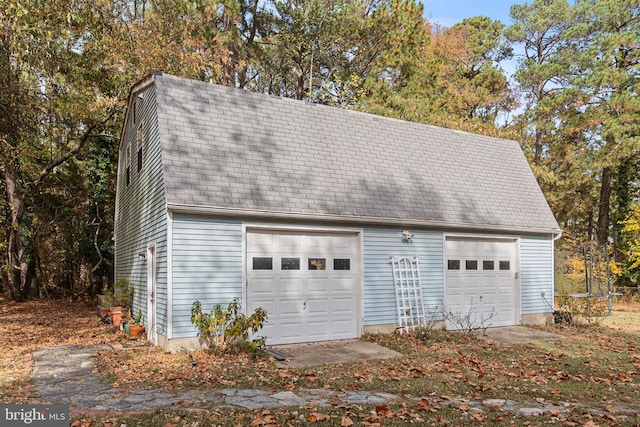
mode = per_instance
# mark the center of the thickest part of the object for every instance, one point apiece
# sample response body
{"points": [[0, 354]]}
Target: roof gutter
{"points": [[299, 216]]}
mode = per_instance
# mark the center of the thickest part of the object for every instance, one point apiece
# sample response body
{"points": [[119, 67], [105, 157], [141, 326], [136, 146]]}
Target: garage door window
{"points": [[505, 265], [341, 264], [453, 264], [290, 263], [262, 263], [488, 265], [471, 264], [317, 264]]}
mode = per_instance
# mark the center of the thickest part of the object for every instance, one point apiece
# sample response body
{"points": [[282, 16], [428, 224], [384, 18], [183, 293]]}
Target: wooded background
{"points": [[66, 67]]}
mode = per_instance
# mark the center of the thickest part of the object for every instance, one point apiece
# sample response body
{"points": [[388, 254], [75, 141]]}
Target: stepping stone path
{"points": [[65, 374]]}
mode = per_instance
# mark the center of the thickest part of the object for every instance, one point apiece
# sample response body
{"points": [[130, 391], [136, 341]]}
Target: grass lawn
{"points": [[595, 372]]}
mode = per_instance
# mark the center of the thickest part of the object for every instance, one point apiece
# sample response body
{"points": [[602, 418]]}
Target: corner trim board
{"points": [[169, 274]]}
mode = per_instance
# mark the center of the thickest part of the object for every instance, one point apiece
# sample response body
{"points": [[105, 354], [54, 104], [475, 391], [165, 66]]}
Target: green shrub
{"points": [[225, 329]]}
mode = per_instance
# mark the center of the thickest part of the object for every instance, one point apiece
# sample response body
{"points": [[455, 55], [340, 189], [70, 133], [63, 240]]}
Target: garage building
{"points": [[299, 208]]}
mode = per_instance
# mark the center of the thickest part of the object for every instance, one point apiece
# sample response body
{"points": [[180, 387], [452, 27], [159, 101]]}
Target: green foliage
{"points": [[223, 330], [629, 267], [123, 292]]}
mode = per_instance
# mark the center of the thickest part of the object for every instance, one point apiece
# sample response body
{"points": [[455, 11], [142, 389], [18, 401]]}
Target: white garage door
{"points": [[481, 281], [307, 282]]}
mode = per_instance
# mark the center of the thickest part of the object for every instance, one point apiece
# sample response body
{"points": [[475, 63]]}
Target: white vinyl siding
{"points": [[141, 210], [380, 244], [207, 266], [536, 274]]}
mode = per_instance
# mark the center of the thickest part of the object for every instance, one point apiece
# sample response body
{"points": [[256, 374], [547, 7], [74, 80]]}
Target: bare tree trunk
{"points": [[604, 206], [300, 87], [17, 268], [93, 282], [537, 149]]}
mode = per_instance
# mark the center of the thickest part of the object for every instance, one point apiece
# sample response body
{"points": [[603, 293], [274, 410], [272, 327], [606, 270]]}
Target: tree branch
{"points": [[88, 134]]}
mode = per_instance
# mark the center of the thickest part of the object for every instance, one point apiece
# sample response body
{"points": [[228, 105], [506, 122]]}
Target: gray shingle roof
{"points": [[232, 149]]}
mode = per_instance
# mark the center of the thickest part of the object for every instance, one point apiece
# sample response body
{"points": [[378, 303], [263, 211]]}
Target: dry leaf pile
{"points": [[32, 325]]}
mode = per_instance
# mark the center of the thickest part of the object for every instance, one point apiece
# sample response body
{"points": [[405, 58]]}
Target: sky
{"points": [[450, 12]]}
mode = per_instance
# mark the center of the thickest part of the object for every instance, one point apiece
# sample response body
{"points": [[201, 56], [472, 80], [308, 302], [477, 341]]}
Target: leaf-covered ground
{"points": [[28, 326], [595, 372]]}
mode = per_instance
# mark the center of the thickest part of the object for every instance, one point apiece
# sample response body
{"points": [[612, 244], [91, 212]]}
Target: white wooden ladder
{"points": [[408, 286]]}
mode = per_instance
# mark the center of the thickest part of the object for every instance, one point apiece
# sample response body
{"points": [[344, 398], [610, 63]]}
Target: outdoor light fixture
{"points": [[142, 255], [407, 236]]}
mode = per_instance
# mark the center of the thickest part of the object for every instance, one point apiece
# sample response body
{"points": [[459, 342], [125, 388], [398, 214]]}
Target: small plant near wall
{"points": [[471, 322], [123, 294], [434, 320], [223, 330], [136, 328]]}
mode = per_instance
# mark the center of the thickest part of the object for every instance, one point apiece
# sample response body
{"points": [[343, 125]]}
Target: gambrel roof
{"points": [[233, 152]]}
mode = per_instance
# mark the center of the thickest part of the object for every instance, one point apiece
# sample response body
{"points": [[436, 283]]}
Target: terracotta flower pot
{"points": [[135, 330], [116, 316]]}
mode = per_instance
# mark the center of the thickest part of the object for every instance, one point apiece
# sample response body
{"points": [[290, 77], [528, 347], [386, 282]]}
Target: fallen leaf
{"points": [[425, 405], [315, 417], [269, 420], [383, 410], [346, 421]]}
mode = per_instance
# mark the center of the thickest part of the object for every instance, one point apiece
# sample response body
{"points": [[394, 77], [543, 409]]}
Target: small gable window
{"points": [[139, 138], [127, 157]]}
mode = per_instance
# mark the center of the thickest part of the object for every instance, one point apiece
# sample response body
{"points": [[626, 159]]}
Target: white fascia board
{"points": [[400, 222]]}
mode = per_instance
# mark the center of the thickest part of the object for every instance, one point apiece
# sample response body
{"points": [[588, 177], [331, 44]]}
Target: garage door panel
{"points": [[318, 243], [261, 242], [291, 330], [268, 305], [343, 305], [479, 285], [341, 244], [343, 328], [317, 307], [317, 285], [262, 286], [290, 286], [290, 308], [317, 329], [289, 243], [268, 331], [307, 304]]}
